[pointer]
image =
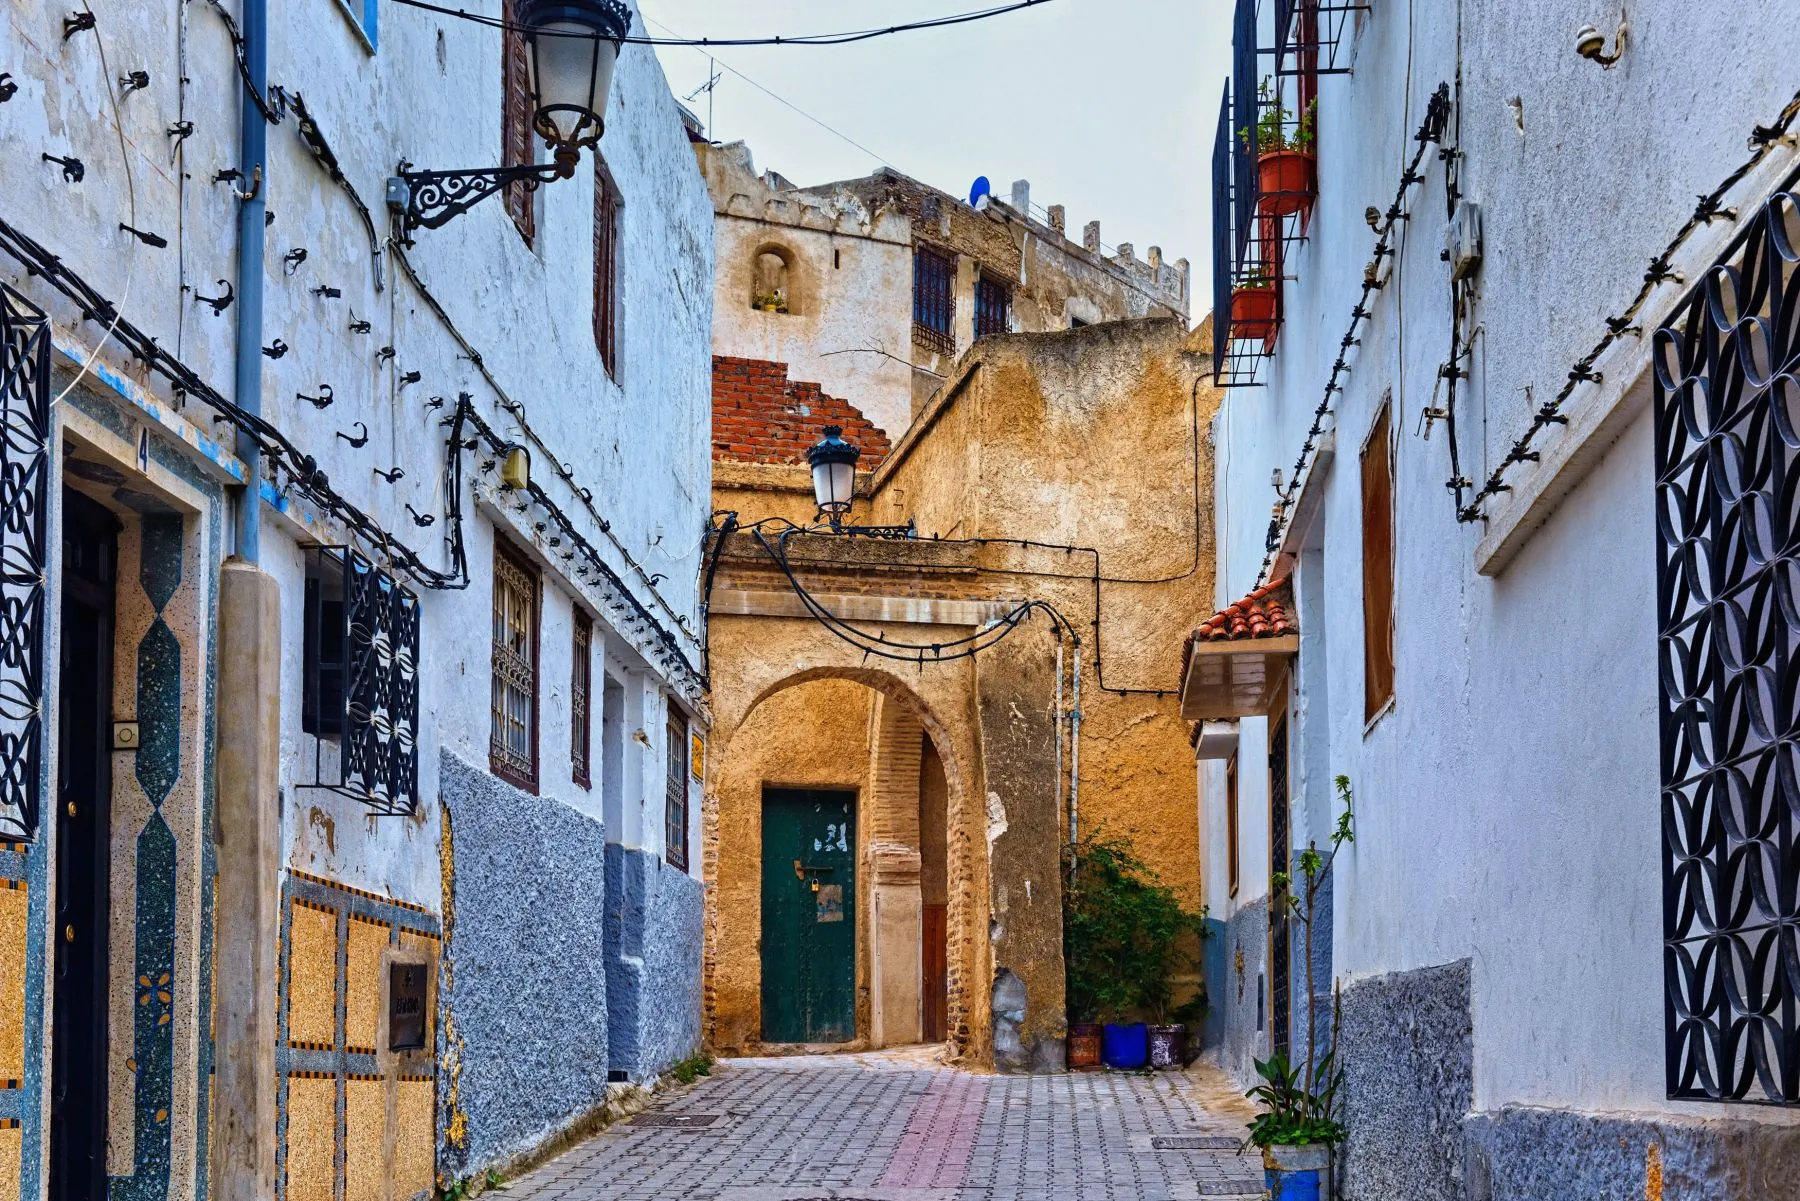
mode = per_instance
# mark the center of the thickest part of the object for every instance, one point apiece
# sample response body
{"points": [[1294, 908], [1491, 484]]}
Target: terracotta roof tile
{"points": [[761, 416], [1265, 613]]}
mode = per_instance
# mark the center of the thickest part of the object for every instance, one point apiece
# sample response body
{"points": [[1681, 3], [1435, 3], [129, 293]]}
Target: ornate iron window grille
{"points": [[24, 542], [512, 749], [934, 300], [993, 308], [1727, 406], [676, 813], [581, 731], [370, 706]]}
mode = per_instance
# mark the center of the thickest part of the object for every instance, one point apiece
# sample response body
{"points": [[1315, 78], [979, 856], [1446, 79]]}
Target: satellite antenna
{"points": [[980, 193]]}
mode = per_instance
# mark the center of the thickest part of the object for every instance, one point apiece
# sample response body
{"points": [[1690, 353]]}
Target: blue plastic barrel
{"points": [[1291, 1185], [1125, 1047]]}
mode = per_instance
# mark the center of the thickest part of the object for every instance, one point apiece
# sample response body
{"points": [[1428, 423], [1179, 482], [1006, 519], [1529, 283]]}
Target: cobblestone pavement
{"points": [[898, 1128]]}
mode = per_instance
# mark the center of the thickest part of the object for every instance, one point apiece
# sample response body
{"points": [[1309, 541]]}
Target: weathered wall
{"points": [[1523, 734], [526, 986], [653, 962]]}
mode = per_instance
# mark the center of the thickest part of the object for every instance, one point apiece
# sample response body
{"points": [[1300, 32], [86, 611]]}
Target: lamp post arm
{"points": [[430, 199]]}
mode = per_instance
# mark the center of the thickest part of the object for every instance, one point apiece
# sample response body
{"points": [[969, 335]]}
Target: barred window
{"points": [[513, 749], [580, 681], [517, 144], [934, 301], [993, 308], [676, 813]]}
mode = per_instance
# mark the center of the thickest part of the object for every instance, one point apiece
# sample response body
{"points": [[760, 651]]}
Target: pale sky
{"points": [[1108, 107]]}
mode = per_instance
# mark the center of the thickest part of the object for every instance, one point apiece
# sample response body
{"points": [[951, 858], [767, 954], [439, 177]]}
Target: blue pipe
{"points": [[251, 238]]}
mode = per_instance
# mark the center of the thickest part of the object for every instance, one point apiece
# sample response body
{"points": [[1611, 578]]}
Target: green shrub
{"points": [[1126, 936], [693, 1067]]}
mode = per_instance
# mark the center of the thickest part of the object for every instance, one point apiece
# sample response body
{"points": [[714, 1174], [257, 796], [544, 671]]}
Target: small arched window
{"points": [[772, 288]]}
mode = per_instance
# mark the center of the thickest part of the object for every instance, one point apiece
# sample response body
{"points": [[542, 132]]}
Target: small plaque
{"points": [[831, 902], [406, 1007]]}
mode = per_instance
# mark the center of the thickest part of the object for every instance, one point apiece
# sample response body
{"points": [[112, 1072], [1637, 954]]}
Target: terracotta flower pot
{"points": [[1285, 181], [1253, 313], [1297, 1173], [1168, 1047], [1084, 1046]]}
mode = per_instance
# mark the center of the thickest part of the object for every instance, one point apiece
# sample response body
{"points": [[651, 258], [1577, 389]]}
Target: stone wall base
{"points": [[653, 962]]}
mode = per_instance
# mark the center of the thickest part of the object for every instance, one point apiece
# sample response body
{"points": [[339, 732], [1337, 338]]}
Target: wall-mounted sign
{"points": [[406, 1007]]}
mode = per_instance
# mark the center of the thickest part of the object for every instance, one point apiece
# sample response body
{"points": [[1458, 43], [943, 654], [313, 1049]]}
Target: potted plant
{"points": [[1254, 307], [1286, 167], [1298, 1125], [772, 302], [1126, 935]]}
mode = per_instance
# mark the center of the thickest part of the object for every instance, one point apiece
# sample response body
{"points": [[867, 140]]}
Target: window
{"points": [[1231, 824], [1280, 897], [933, 301], [513, 749], [606, 268], [581, 678], [322, 648], [364, 16], [993, 308], [676, 813], [518, 144], [1378, 567]]}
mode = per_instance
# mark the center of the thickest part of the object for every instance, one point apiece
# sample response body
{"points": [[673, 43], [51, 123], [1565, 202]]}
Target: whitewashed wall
{"points": [[1508, 803]]}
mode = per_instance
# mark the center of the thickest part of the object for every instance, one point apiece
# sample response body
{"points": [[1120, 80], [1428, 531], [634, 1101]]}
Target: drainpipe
{"points": [[246, 818], [1075, 750], [1059, 732], [254, 136]]}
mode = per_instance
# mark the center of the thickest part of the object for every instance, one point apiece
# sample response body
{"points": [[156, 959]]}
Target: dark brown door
{"points": [[937, 975], [78, 1099]]}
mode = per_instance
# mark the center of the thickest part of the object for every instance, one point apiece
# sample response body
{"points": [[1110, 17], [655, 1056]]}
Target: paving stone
{"points": [[874, 1128]]}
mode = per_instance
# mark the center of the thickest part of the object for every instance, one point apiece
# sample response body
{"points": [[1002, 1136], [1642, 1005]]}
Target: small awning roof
{"points": [[1236, 662]]}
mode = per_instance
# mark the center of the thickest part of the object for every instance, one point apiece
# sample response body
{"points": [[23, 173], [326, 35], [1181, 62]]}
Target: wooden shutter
{"points": [[606, 268], [516, 144], [1378, 567]]}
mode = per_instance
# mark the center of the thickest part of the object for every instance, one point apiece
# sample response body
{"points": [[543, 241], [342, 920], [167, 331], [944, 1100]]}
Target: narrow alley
{"points": [[896, 1126]]}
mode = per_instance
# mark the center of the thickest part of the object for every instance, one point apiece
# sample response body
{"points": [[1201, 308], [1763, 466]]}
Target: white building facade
{"points": [[1517, 605], [417, 756]]}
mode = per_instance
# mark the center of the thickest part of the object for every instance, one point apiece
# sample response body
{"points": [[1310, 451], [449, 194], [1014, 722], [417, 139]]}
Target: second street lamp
{"points": [[571, 48], [833, 464]]}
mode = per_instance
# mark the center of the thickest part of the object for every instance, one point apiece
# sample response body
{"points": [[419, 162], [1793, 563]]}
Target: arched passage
{"points": [[867, 742]]}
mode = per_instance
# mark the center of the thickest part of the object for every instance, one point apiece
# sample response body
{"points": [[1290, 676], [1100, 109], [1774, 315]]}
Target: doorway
{"points": [[808, 916], [83, 829]]}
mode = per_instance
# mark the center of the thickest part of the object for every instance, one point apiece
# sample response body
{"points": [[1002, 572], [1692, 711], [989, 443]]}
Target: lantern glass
{"points": [[573, 47], [833, 485]]}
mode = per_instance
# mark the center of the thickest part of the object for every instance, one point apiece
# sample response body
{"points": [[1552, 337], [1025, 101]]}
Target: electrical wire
{"points": [[816, 39]]}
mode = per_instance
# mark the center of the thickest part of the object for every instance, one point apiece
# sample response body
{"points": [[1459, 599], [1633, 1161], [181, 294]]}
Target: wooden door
{"points": [[808, 916], [937, 974]]}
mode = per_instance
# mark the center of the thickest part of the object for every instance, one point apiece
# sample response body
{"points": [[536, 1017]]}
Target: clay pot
{"points": [[1168, 1047], [1285, 181], [1253, 313], [1084, 1046]]}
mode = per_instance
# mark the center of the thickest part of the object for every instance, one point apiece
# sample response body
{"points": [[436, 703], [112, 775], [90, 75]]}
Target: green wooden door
{"points": [[808, 916]]}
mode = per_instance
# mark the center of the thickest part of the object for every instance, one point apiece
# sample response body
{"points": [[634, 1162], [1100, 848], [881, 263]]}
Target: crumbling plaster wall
{"points": [[848, 326]]}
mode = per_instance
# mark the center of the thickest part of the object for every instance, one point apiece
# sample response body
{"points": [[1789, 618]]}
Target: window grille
{"points": [[934, 301], [1728, 615], [993, 308], [676, 812], [517, 146], [581, 730], [513, 749], [24, 557], [1280, 946], [606, 268], [360, 680], [1315, 37]]}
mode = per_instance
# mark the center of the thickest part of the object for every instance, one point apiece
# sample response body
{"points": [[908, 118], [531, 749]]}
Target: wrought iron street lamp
{"points": [[834, 474], [834, 486], [571, 48]]}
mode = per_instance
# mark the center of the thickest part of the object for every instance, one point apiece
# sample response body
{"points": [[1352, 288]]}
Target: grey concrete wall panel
{"points": [[1408, 1045], [653, 961]]}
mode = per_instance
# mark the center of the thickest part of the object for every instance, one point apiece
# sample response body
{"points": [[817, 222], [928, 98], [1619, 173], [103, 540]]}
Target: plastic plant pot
{"points": [[1285, 181], [1297, 1173], [1125, 1047], [1168, 1047], [1084, 1046], [1253, 313]]}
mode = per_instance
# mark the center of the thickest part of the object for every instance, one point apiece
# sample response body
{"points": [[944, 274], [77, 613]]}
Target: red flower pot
{"points": [[1084, 1046], [1253, 313], [1285, 181]]}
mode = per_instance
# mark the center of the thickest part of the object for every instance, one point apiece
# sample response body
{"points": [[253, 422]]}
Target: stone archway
{"points": [[880, 758]]}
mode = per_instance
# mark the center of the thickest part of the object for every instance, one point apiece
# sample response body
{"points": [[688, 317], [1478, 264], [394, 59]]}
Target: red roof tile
{"points": [[760, 416], [1265, 613]]}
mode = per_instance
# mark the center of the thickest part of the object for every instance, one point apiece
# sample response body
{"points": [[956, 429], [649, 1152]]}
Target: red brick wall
{"points": [[761, 416]]}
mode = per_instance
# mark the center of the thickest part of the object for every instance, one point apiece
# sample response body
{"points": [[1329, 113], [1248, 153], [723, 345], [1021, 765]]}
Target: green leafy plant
{"points": [[1300, 1100], [1126, 936], [693, 1067], [456, 1190], [1272, 124], [1257, 279]]}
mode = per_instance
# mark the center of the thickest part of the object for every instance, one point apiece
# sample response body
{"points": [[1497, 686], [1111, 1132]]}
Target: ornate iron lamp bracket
{"points": [[431, 199]]}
